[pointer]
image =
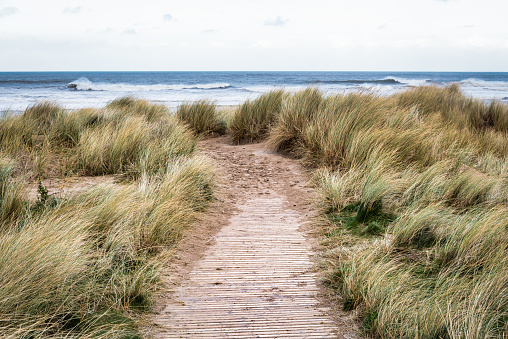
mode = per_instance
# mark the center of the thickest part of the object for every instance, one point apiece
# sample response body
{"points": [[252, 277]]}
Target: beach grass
{"points": [[88, 265], [202, 117], [295, 113], [415, 188], [253, 119]]}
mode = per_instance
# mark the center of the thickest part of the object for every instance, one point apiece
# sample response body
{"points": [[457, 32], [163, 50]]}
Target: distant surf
{"points": [[385, 81], [83, 84], [73, 90]]}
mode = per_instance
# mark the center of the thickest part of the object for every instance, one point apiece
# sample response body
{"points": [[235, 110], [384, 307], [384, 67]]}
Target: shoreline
{"points": [[220, 105], [96, 89]]}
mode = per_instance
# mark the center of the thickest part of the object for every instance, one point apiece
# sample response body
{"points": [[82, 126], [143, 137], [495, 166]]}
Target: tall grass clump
{"points": [[201, 116], [416, 191], [35, 125], [455, 108], [132, 146], [58, 281], [137, 107], [45, 134], [425, 199], [127, 137], [178, 194], [296, 113], [254, 118], [333, 130], [87, 265], [133, 136], [42, 115], [435, 279], [45, 124], [12, 201], [432, 99]]}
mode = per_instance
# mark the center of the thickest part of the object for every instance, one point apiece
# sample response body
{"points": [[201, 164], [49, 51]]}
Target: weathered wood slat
{"points": [[255, 282], [256, 279]]}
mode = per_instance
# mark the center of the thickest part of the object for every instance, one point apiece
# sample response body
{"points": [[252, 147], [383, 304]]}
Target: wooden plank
{"points": [[256, 281]]}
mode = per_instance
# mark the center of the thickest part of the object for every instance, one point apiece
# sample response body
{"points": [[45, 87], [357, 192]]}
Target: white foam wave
{"points": [[409, 82], [376, 87], [266, 88], [494, 85], [83, 84]]}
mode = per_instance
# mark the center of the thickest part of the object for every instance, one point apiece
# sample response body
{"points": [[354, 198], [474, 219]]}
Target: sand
{"points": [[248, 267]]}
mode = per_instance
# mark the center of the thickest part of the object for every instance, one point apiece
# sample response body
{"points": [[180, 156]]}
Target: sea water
{"points": [[72, 90]]}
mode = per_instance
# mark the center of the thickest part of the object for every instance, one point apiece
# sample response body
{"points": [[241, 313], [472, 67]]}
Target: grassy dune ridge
{"points": [[415, 186], [86, 265]]}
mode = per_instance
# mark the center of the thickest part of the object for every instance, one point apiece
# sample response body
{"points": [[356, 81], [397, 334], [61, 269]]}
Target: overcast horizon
{"points": [[249, 35]]}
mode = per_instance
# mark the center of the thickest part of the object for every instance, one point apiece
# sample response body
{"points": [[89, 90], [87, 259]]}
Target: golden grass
{"points": [[201, 117], [253, 119], [12, 200], [416, 186], [455, 108], [85, 266], [127, 137], [297, 111], [137, 107]]}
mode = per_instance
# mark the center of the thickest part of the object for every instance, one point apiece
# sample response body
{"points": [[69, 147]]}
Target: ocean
{"points": [[74, 90]]}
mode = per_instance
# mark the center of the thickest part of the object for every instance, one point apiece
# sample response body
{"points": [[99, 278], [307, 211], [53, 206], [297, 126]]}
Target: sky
{"points": [[253, 35]]}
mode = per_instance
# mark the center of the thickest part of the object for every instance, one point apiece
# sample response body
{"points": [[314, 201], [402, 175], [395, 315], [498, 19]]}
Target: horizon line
{"points": [[244, 71]]}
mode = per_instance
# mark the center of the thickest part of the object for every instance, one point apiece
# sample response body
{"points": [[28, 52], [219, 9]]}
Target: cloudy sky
{"points": [[360, 35]]}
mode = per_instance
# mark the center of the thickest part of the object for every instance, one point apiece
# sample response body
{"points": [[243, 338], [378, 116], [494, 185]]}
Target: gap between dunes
{"points": [[247, 269]]}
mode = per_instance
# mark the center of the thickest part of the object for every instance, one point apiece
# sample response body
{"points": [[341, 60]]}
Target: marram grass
{"points": [[254, 118], [201, 117], [416, 186], [115, 140], [86, 266]]}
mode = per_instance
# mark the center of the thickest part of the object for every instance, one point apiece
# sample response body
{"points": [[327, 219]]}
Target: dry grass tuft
{"points": [[253, 119], [415, 186], [85, 266], [201, 117], [296, 113]]}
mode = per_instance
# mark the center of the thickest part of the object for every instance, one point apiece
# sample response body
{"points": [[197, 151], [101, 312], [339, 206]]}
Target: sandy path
{"points": [[247, 271]]}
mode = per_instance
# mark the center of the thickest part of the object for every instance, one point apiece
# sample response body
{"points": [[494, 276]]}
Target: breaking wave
{"points": [[493, 85], [358, 82], [385, 81], [409, 82], [83, 84]]}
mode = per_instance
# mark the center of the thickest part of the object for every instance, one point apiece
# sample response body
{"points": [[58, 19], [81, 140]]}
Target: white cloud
{"points": [[276, 22], [263, 44], [339, 41], [73, 10], [219, 44], [479, 41], [108, 30], [6, 11], [129, 31], [226, 35]]}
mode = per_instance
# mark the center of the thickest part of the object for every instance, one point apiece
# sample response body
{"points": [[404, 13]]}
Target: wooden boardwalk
{"points": [[257, 279]]}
